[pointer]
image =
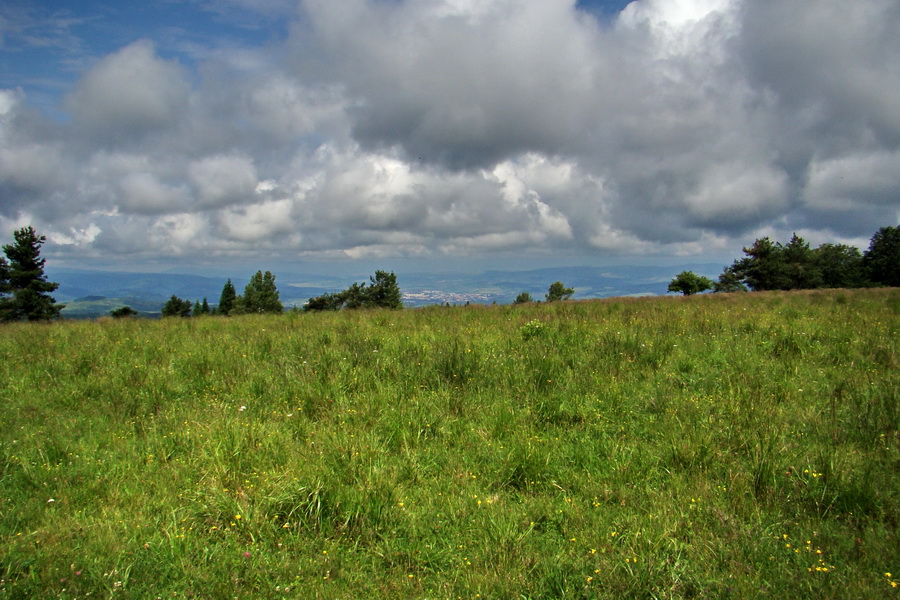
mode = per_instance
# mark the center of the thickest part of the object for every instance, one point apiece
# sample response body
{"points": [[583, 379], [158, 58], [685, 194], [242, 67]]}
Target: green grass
{"points": [[737, 446]]}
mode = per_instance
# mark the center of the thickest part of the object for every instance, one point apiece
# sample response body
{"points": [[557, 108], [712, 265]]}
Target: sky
{"points": [[508, 133]]}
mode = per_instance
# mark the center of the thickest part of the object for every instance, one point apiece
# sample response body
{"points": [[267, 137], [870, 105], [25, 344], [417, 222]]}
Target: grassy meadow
{"points": [[719, 446]]}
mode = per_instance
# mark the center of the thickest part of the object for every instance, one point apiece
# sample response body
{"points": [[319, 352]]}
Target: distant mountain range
{"points": [[89, 294]]}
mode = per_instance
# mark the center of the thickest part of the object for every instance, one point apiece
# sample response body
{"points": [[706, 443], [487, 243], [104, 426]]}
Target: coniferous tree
{"points": [[558, 291], [261, 295], [24, 280], [840, 266], [6, 311], [882, 259], [763, 267], [729, 281], [204, 308], [123, 313], [523, 298], [382, 292], [197, 310], [794, 266], [227, 299], [176, 307], [800, 268]]}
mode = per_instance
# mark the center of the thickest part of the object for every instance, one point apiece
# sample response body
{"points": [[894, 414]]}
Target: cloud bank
{"points": [[430, 128]]}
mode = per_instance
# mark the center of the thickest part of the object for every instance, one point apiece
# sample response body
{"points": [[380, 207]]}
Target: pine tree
{"points": [[227, 299], [123, 313], [261, 295], [882, 259], [558, 291], [384, 291], [176, 307], [23, 277], [204, 308]]}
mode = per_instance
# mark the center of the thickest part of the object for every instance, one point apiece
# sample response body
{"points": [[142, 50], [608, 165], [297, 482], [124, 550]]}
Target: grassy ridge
{"points": [[656, 448]]}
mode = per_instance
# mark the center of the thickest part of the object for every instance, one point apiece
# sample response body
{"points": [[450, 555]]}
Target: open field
{"points": [[737, 446]]}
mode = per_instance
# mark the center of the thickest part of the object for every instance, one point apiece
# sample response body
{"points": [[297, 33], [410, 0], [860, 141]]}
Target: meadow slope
{"points": [[737, 446]]}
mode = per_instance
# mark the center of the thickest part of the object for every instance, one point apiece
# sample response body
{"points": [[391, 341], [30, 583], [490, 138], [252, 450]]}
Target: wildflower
{"points": [[246, 555]]}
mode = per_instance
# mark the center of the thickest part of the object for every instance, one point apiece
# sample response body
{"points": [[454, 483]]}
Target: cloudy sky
{"points": [[139, 132]]}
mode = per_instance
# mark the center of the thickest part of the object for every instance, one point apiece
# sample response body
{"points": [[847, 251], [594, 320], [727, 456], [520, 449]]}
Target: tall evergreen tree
{"points": [[840, 266], [176, 307], [204, 308], [882, 259], [800, 267], [24, 279], [763, 267], [384, 291], [227, 299], [729, 281], [261, 295], [5, 288]]}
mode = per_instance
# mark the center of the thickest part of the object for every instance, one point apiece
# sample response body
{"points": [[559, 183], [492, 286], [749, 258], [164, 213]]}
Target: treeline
{"points": [[382, 291], [556, 292], [796, 266], [771, 265], [25, 291], [260, 296]]}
